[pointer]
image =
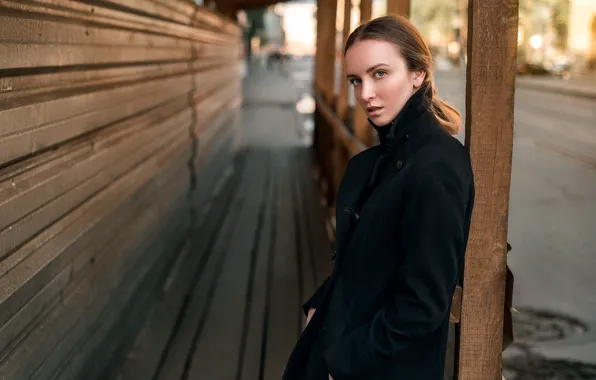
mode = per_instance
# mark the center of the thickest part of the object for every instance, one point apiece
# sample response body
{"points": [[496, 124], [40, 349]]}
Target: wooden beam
{"points": [[342, 101], [492, 40], [325, 56], [362, 128], [365, 10], [398, 7], [339, 130], [253, 4], [323, 139]]}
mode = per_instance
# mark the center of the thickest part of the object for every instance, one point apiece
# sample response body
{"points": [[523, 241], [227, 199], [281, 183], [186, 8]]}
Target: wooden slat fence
{"points": [[116, 119]]}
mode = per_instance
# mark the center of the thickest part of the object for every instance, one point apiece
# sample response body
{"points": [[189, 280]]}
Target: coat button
{"points": [[399, 164]]}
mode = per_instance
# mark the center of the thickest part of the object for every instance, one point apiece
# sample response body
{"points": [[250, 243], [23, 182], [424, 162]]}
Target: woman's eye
{"points": [[355, 82], [380, 74]]}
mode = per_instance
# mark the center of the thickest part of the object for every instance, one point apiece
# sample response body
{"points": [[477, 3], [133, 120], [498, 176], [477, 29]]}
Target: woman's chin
{"points": [[380, 121]]}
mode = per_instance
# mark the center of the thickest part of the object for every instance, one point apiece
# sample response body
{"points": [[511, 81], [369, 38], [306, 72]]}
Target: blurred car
{"points": [[559, 67]]}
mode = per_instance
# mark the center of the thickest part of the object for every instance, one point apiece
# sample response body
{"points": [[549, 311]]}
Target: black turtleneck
{"points": [[402, 124], [392, 134]]}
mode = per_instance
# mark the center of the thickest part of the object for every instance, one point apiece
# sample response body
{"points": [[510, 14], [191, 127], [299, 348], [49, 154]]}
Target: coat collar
{"points": [[404, 123]]}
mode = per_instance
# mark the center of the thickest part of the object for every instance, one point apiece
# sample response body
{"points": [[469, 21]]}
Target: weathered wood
{"points": [[128, 270], [325, 57], [324, 83], [455, 315], [38, 55], [283, 307], [212, 251], [70, 182], [111, 114], [181, 12], [362, 128], [78, 170], [36, 126], [252, 359], [492, 45], [25, 89], [365, 10], [218, 349], [153, 346], [342, 101], [398, 7], [339, 129], [241, 321], [112, 18], [43, 261], [67, 322]]}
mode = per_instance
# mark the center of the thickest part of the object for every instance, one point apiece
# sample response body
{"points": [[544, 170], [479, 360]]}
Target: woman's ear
{"points": [[418, 78]]}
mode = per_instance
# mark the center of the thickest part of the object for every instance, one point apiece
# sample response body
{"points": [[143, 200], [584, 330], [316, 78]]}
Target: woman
{"points": [[403, 216]]}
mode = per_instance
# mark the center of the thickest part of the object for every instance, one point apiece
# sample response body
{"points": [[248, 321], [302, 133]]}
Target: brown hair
{"points": [[399, 31]]}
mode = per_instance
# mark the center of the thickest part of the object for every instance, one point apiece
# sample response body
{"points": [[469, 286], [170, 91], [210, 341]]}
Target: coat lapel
{"points": [[353, 190]]}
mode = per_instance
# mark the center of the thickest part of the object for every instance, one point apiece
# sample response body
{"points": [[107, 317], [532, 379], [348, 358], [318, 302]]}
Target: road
{"points": [[552, 228]]}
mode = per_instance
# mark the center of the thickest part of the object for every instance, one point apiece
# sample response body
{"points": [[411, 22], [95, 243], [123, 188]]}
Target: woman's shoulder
{"points": [[443, 154]]}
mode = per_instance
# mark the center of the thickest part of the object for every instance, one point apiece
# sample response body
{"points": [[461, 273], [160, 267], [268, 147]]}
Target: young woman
{"points": [[403, 216]]}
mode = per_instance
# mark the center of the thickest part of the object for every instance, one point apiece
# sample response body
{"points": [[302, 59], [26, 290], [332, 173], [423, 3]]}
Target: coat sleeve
{"points": [[314, 301], [431, 239]]}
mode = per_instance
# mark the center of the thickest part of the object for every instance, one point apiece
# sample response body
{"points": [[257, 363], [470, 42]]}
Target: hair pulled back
{"points": [[400, 31]]}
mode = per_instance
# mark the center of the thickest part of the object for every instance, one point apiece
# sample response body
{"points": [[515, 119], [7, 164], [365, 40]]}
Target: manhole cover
{"points": [[536, 368], [535, 326]]}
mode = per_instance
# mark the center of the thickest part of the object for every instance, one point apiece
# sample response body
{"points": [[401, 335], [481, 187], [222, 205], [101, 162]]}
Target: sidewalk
{"points": [[232, 309], [574, 87], [584, 86]]}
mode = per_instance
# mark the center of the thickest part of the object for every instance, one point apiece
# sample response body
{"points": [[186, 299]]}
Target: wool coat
{"points": [[402, 222]]}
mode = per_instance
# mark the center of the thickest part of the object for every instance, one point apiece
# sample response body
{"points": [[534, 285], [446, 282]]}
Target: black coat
{"points": [[403, 216]]}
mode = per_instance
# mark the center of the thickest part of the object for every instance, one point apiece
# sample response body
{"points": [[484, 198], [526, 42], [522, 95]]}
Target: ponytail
{"points": [[446, 114]]}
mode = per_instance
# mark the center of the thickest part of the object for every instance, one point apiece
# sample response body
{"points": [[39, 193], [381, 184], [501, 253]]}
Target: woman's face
{"points": [[382, 82]]}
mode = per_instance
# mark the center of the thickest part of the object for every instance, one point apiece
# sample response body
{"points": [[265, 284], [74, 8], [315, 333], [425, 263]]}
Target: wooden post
{"points": [[398, 7], [365, 10], [362, 129], [325, 57], [340, 154], [324, 84], [342, 101], [492, 41]]}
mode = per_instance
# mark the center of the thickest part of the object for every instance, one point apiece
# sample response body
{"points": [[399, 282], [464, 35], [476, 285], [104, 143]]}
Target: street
{"points": [[552, 219], [552, 214]]}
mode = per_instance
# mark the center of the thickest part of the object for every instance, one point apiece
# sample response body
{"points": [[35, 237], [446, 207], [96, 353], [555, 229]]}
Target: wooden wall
{"points": [[116, 118]]}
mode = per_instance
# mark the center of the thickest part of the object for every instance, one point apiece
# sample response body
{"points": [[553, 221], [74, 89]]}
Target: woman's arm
{"points": [[431, 240]]}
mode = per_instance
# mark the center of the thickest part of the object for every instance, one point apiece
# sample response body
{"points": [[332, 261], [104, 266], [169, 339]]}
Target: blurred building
{"points": [[582, 32], [550, 31], [299, 23]]}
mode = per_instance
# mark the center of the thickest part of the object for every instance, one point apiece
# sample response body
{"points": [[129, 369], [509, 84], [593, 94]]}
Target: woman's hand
{"points": [[311, 312], [330, 378]]}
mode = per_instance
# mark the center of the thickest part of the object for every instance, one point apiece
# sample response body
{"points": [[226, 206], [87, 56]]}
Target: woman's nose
{"points": [[367, 91]]}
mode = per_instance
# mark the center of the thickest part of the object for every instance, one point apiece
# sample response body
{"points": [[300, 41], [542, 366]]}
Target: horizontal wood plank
{"points": [[111, 113]]}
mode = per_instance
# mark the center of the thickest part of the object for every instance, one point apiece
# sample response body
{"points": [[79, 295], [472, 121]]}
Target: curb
{"points": [[578, 92]]}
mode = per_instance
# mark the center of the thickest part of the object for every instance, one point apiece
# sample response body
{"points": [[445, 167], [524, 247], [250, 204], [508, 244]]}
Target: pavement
{"points": [[579, 85], [574, 87]]}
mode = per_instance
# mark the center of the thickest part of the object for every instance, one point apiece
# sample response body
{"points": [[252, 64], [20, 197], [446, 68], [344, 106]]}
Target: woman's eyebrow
{"points": [[370, 69]]}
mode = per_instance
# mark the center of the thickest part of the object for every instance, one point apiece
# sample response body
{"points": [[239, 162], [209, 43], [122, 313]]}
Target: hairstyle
{"points": [[400, 31]]}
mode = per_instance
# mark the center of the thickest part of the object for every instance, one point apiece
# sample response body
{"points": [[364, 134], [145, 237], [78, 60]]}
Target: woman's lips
{"points": [[374, 111]]}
